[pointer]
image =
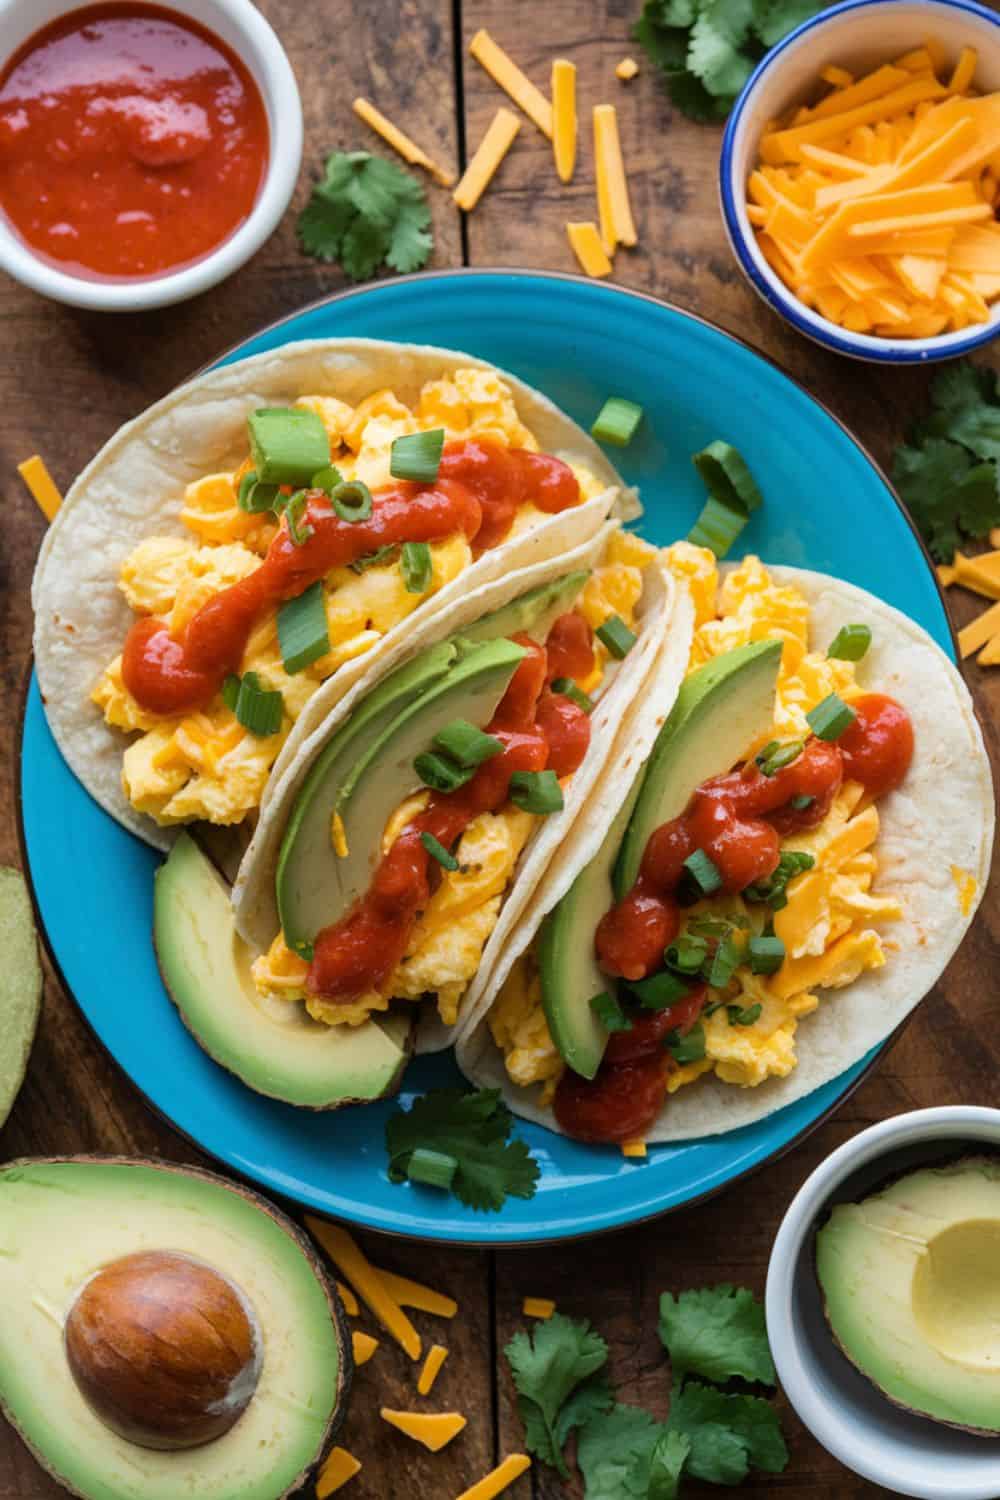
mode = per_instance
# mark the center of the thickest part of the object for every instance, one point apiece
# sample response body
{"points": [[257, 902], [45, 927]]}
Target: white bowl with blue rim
{"points": [[858, 35]]}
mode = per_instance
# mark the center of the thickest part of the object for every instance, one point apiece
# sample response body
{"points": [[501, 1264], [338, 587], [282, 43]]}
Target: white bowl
{"points": [[240, 24], [859, 34], [909, 1455]]}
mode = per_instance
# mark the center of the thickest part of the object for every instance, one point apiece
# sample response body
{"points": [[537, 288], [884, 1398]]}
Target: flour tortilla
{"points": [[134, 489], [942, 816]]}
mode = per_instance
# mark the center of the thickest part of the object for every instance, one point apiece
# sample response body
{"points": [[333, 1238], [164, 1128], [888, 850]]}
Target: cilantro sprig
{"points": [[474, 1129], [366, 211], [717, 1332], [561, 1383]]}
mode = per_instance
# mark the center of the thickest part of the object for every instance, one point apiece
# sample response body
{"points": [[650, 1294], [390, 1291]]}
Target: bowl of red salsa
{"points": [[146, 151]]}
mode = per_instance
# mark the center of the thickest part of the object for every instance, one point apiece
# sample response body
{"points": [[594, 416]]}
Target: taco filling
{"points": [[301, 560]]}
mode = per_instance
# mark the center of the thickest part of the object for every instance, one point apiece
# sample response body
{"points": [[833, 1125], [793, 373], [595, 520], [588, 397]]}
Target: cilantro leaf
{"points": [[615, 1453], [366, 212], [363, 248], [666, 1465], [944, 491], [966, 410], [715, 58], [664, 46], [672, 12], [554, 1373], [321, 226], [474, 1129], [716, 1332], [693, 99], [774, 19], [727, 1434]]}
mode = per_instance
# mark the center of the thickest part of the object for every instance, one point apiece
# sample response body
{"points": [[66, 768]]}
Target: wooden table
{"points": [[69, 379]]}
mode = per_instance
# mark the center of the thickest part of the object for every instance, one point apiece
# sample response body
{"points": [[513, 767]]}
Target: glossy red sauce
{"points": [[878, 747], [357, 954], [571, 647], [132, 141], [168, 675]]}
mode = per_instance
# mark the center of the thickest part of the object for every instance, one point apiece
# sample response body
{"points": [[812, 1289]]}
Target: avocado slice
{"points": [[720, 710], [532, 613], [20, 985], [275, 1048], [316, 885], [909, 1276], [63, 1220]]}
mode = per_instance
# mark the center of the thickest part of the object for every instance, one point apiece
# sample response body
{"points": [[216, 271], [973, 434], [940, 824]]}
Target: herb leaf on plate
{"points": [[559, 1376], [717, 1332], [474, 1128], [615, 1453], [367, 211], [727, 1434]]}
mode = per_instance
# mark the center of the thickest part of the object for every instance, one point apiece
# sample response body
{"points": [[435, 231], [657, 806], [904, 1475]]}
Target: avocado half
{"points": [[61, 1220], [20, 985], [911, 1292]]}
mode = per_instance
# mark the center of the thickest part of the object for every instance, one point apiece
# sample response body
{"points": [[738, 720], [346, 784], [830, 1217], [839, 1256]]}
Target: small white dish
{"points": [[244, 29], [859, 35], [907, 1454]]}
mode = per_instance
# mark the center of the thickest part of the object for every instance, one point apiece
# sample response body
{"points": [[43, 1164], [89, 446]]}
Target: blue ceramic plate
{"points": [[827, 507]]}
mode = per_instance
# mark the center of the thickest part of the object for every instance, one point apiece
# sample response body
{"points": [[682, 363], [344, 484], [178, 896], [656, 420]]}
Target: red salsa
{"points": [[132, 141], [478, 481]]}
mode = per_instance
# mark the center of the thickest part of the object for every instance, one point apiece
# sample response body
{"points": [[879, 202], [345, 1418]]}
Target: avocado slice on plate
{"points": [[720, 710], [20, 985], [275, 1048], [909, 1277], [173, 1304], [532, 613]]}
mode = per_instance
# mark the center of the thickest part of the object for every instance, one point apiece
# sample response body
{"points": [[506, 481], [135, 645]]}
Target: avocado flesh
{"points": [[909, 1276], [60, 1221], [719, 711], [20, 985], [532, 613], [273, 1046]]}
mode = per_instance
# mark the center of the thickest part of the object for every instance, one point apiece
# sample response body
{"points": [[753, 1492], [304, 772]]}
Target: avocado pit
{"points": [[165, 1350]]}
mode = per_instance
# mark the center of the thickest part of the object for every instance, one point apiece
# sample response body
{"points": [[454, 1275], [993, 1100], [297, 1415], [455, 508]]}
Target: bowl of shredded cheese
{"points": [[860, 179]]}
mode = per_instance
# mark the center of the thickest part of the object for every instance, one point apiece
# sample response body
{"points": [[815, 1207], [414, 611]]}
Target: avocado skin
{"points": [[20, 985], [324, 1281]]}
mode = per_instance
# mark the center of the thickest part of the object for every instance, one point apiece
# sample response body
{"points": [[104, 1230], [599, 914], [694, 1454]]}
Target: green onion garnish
{"points": [[802, 801], [437, 851], [288, 444], [615, 634], [372, 559], [617, 421], [609, 1012], [688, 953], [774, 757], [850, 643], [416, 567], [231, 691], [792, 862], [717, 527], [466, 744], [302, 631], [659, 991], [567, 688], [326, 479], [740, 1017], [709, 926], [352, 500], [829, 719], [255, 497], [703, 871], [258, 709], [439, 773], [432, 1168], [688, 1048], [767, 954], [726, 959], [536, 792], [732, 496], [417, 456], [293, 507]]}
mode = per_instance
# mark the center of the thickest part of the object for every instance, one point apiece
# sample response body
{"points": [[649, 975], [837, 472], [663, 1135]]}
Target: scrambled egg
{"points": [[829, 924], [188, 767]]}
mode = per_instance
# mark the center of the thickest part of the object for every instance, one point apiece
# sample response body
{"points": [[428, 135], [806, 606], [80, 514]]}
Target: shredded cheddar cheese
{"points": [[538, 1307], [634, 1148], [364, 1346], [508, 75], [412, 1294], [338, 836], [588, 247], [564, 117], [488, 155], [436, 1356], [980, 574], [614, 209], [966, 886], [349, 1260], [979, 631], [627, 69], [498, 1479], [434, 1429], [339, 1467], [42, 486], [349, 1300], [408, 150], [990, 654]]}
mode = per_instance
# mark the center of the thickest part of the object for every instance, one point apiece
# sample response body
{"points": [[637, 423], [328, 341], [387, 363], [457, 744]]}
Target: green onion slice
{"points": [[417, 456], [258, 709], [726, 959], [850, 643], [688, 1048], [660, 991], [567, 688], [293, 507], [727, 477], [688, 953], [416, 567], [615, 634], [774, 757], [432, 1168], [767, 954], [802, 801], [829, 719], [792, 862], [466, 744], [536, 792], [255, 497], [326, 479], [372, 559], [703, 871], [439, 773], [609, 1012], [231, 691], [437, 851], [717, 527], [352, 500], [288, 444], [740, 1017], [302, 630], [617, 422]]}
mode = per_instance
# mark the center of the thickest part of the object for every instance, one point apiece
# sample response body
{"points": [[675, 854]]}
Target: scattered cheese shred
{"points": [[990, 654], [980, 574], [338, 836], [965, 70], [349, 1300], [42, 486], [364, 1346], [504, 71], [434, 1429], [979, 631], [627, 69], [413, 1294], [538, 1307], [946, 574], [564, 117], [838, 77], [966, 886], [498, 1479], [350, 1262], [339, 1467], [488, 155], [588, 247], [436, 1356], [408, 150], [614, 209], [634, 1148]]}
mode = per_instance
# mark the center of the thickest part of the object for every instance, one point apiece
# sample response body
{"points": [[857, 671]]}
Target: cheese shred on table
{"points": [[489, 154]]}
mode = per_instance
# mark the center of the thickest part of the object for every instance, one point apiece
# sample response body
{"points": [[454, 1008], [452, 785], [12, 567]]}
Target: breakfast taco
{"points": [[398, 853], [780, 883], [236, 558]]}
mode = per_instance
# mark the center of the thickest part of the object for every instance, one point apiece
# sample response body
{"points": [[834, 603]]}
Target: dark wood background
{"points": [[68, 379]]}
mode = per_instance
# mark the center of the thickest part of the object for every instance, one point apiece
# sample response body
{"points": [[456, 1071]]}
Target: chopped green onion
{"points": [[688, 1048], [416, 567], [709, 926], [829, 719], [466, 744], [288, 444], [727, 477], [372, 559], [659, 991], [767, 954], [609, 1012], [258, 709], [717, 527], [437, 851], [326, 479], [774, 757], [703, 871], [688, 953], [292, 507], [432, 1168], [440, 774], [231, 691], [726, 959], [567, 688], [617, 422], [536, 792], [352, 500], [802, 801], [255, 497], [792, 862], [417, 456], [302, 630], [850, 643], [740, 1017], [615, 634]]}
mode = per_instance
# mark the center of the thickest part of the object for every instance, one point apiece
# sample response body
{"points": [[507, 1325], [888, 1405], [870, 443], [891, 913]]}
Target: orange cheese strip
{"points": [[976, 247], [508, 75], [933, 242], [617, 226], [875, 180], [626, 69], [564, 117], [588, 247], [434, 1429], [634, 1149], [413, 1294], [339, 1467], [349, 1300], [982, 629], [363, 1345], [834, 235], [904, 222], [394, 137], [989, 656], [857, 277], [783, 145], [538, 1307], [436, 1356], [928, 166], [498, 1479], [488, 155], [920, 274], [982, 573], [839, 77], [351, 1262], [945, 574], [873, 86], [965, 70], [42, 486], [834, 162], [917, 61]]}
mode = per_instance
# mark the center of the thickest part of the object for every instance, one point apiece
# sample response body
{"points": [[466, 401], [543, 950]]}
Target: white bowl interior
{"points": [[858, 40], [909, 1455]]}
